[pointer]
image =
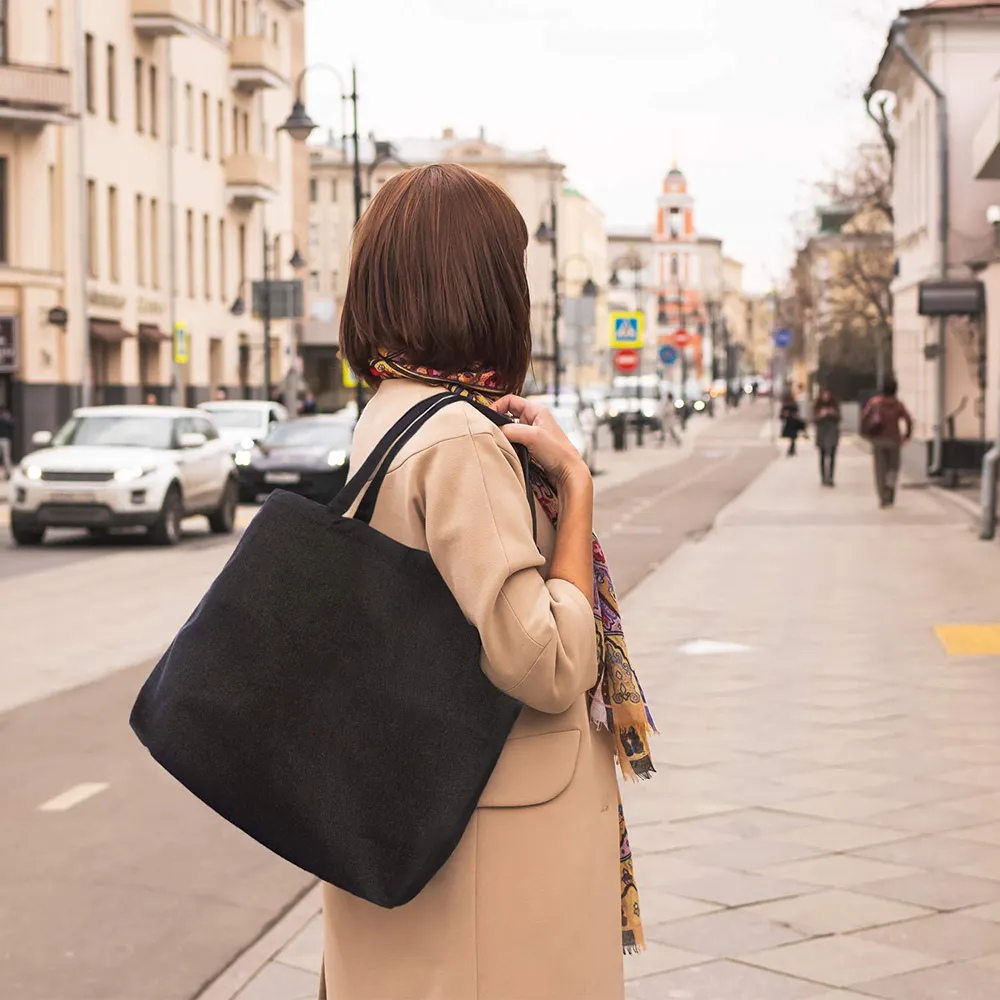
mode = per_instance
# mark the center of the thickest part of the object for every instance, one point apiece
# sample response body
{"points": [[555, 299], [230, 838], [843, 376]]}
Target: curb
{"points": [[963, 503], [236, 976]]}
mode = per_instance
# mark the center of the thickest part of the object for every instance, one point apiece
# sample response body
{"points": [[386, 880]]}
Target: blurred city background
{"points": [[731, 208]]}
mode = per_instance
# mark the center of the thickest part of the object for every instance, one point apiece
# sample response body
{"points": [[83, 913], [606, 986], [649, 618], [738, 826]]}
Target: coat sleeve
{"points": [[539, 643]]}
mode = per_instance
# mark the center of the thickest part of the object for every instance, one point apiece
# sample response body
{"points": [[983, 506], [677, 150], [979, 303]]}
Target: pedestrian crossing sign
{"points": [[627, 329], [182, 344]]}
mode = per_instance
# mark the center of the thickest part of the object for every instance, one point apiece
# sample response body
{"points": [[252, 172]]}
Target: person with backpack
{"points": [[880, 425]]}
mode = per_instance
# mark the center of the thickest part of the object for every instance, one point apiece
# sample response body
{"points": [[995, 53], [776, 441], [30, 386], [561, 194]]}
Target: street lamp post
{"points": [[299, 125], [588, 290], [635, 263], [549, 233]]}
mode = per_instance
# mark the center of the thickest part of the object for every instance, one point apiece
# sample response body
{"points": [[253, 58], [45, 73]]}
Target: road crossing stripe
{"points": [[73, 797]]}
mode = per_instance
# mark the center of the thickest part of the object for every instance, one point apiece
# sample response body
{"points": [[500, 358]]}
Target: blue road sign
{"points": [[668, 354], [783, 338]]}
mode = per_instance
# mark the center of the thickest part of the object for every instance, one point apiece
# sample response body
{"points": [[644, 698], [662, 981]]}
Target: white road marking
{"points": [[73, 796], [709, 647]]}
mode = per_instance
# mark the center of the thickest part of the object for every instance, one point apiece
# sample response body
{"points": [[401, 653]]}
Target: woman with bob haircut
{"points": [[538, 902]]}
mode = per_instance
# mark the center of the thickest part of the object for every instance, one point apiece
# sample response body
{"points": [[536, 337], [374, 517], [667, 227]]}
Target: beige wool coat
{"points": [[529, 905]]}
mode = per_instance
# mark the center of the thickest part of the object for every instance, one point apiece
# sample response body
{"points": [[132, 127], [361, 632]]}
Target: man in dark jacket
{"points": [[880, 424], [6, 441]]}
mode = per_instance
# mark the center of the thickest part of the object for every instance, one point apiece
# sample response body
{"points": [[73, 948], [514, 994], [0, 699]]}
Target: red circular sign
{"points": [[682, 338], [627, 361]]}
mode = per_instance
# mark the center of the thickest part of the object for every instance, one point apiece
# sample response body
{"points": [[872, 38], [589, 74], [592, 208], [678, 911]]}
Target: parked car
{"points": [[307, 456], [568, 419], [244, 422], [125, 466]]}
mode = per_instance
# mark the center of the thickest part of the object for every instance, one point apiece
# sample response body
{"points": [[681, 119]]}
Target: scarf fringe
{"points": [[633, 941]]}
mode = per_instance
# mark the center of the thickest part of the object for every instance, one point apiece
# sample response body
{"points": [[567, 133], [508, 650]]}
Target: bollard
{"points": [[991, 470]]}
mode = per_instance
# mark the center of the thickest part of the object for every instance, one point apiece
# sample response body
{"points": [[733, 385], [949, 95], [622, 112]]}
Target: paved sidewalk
{"points": [[825, 824]]}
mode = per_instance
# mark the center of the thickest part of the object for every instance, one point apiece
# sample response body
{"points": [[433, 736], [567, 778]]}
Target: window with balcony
{"points": [[139, 79], [89, 71], [112, 84], [206, 254], [223, 275], [235, 147], [114, 255], [206, 130], [154, 103], [189, 246], [242, 257], [222, 131], [189, 111]]}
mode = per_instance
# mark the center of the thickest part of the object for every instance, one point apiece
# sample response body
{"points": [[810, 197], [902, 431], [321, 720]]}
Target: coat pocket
{"points": [[532, 770]]}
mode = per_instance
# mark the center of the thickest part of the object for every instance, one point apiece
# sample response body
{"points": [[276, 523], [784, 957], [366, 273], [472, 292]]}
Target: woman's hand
{"points": [[539, 432]]}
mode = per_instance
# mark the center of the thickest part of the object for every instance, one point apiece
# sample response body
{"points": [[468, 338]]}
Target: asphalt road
{"points": [[138, 891]]}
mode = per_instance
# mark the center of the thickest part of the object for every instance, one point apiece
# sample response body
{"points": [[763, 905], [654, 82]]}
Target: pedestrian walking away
{"points": [[792, 424], [668, 420], [539, 897], [887, 425], [826, 417], [6, 442]]}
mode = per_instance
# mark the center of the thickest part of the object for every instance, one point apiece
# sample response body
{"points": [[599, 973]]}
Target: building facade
{"points": [[531, 178], [958, 43], [140, 166]]}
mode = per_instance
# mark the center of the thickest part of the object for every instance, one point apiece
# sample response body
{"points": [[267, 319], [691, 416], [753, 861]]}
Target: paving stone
{"points": [[658, 958], [987, 834], [841, 961], [305, 951], [748, 855], [739, 889], [930, 852], [837, 912], [726, 934], [721, 981], [961, 981], [839, 871], [937, 890], [281, 982], [833, 836], [953, 936]]}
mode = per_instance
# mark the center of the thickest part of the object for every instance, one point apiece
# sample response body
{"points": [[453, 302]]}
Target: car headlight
{"points": [[612, 414], [678, 404], [247, 444], [700, 405], [336, 458], [243, 458], [649, 409], [31, 471], [130, 473]]}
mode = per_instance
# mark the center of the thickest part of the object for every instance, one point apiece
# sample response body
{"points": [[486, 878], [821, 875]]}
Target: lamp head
{"points": [[590, 289], [614, 281], [544, 233], [297, 261], [239, 307], [298, 124]]}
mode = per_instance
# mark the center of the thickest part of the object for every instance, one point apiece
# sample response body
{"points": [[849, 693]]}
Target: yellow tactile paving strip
{"points": [[970, 640]]}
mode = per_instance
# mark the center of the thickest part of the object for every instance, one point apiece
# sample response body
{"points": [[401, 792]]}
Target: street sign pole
{"points": [[267, 318]]}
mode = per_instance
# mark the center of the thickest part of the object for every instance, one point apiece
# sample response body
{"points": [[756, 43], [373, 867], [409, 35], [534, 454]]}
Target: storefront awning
{"points": [[151, 332], [110, 331]]}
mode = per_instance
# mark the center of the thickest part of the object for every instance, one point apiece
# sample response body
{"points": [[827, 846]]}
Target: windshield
{"points": [[238, 419], [117, 431], [567, 420], [310, 434]]}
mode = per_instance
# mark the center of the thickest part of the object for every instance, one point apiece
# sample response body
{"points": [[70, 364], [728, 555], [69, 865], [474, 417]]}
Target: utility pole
{"points": [[640, 416], [267, 316]]}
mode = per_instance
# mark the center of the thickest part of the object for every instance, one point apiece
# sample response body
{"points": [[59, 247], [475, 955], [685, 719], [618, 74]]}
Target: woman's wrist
{"points": [[576, 480]]}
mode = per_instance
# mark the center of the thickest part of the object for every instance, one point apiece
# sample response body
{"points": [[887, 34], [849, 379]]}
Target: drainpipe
{"points": [[84, 220], [898, 40]]}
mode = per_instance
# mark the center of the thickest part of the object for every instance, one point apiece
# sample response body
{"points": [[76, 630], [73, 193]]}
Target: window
{"points": [[236, 130], [246, 132], [333, 190], [112, 85], [55, 232], [313, 190], [206, 255], [243, 257], [675, 222], [140, 240], [3, 32], [673, 266], [206, 139], [218, 17], [113, 248], [223, 276], [92, 268], [89, 61], [190, 254], [4, 200], [275, 36], [232, 20], [204, 13], [189, 110], [138, 95], [222, 131], [154, 242], [314, 281], [313, 238], [154, 100], [243, 11]]}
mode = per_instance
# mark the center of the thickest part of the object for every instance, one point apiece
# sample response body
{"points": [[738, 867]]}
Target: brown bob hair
{"points": [[438, 278]]}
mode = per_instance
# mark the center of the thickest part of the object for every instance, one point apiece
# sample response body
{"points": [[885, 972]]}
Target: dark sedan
{"points": [[307, 456]]}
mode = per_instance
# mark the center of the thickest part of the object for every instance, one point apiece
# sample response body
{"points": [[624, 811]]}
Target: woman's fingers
{"points": [[521, 434], [525, 410]]}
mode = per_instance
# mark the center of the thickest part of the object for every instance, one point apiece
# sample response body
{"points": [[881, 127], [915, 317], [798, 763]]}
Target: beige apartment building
{"points": [[532, 179], [140, 166]]}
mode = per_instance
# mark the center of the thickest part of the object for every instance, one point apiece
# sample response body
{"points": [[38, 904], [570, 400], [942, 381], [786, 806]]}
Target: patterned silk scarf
{"points": [[616, 702]]}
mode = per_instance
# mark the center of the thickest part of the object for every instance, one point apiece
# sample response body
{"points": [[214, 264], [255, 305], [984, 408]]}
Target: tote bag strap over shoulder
{"points": [[376, 467]]}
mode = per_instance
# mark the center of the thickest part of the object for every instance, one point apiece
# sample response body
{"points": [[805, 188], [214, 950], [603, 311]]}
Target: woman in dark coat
{"points": [[826, 416], [791, 421]]}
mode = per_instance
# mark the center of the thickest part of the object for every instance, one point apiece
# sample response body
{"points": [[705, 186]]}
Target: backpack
{"points": [[873, 420]]}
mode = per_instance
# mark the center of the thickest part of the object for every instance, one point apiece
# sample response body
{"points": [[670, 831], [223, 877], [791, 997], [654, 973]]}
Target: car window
{"points": [[248, 418], [115, 429], [205, 426], [182, 425]]}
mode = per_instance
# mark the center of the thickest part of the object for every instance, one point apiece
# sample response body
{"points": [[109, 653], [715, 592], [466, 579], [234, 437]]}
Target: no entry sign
{"points": [[627, 361], [682, 339]]}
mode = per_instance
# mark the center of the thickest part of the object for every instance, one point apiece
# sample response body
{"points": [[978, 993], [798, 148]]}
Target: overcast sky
{"points": [[757, 99]]}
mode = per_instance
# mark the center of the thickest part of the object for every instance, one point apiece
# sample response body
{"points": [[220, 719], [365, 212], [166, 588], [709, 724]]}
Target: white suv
{"points": [[125, 466]]}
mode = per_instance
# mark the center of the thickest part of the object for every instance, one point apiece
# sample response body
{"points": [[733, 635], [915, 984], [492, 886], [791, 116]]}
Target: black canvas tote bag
{"points": [[327, 695]]}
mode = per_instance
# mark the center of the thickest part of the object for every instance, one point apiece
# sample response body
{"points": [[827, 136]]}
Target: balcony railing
{"points": [[34, 96], [254, 63], [162, 18], [251, 178]]}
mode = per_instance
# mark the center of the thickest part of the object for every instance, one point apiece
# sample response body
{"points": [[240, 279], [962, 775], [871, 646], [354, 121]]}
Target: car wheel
{"points": [[222, 521], [26, 536], [167, 529]]}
